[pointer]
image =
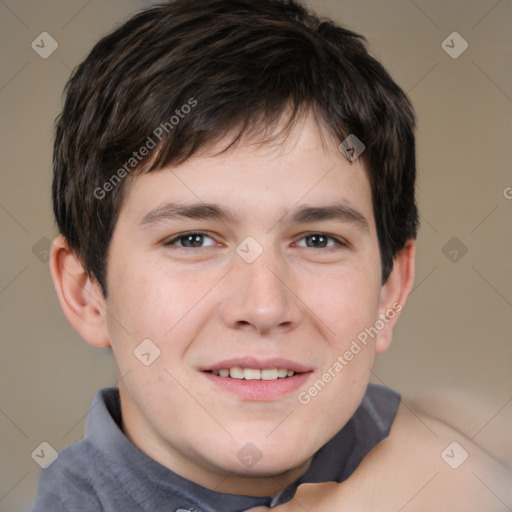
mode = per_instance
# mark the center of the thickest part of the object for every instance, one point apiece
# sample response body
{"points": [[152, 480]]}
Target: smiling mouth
{"points": [[239, 373]]}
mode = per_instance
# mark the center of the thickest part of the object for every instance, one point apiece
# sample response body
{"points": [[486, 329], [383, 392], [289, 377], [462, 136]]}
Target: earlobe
{"points": [[394, 294], [79, 295]]}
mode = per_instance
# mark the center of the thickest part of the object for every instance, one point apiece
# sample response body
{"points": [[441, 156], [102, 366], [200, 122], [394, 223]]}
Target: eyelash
{"points": [[338, 241]]}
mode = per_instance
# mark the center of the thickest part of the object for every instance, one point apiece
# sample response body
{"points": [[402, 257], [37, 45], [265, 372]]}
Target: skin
{"points": [[204, 305], [406, 472]]}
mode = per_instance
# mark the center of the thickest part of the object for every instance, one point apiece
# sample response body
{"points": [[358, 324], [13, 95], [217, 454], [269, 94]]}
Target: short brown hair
{"points": [[238, 65]]}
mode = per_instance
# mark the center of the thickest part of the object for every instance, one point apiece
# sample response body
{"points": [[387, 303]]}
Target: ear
{"points": [[79, 295], [394, 294]]}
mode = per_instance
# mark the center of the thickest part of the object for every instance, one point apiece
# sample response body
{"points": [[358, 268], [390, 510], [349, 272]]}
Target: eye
{"points": [[321, 241], [190, 240]]}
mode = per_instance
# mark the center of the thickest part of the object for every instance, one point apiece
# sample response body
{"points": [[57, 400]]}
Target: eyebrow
{"points": [[339, 212], [195, 211]]}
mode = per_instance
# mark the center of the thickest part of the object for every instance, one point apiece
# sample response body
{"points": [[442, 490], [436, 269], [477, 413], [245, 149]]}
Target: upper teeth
{"points": [[253, 373]]}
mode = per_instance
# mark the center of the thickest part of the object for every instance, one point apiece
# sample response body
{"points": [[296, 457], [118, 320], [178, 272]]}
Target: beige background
{"points": [[455, 331]]}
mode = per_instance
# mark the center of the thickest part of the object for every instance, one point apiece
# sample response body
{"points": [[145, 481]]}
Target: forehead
{"points": [[254, 181]]}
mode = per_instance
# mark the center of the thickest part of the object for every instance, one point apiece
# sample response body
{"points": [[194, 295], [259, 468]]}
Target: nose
{"points": [[260, 296]]}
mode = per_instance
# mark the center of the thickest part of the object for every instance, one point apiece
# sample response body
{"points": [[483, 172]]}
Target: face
{"points": [[249, 275]]}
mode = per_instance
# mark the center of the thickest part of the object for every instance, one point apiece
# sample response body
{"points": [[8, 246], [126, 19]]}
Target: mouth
{"points": [[237, 372], [256, 379]]}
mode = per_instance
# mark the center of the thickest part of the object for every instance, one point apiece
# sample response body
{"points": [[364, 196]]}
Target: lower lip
{"points": [[259, 390]]}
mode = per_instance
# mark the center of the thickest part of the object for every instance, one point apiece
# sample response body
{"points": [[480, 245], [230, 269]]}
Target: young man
{"points": [[234, 188]]}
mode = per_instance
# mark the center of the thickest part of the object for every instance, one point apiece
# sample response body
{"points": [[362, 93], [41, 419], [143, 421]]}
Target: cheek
{"points": [[347, 302], [349, 306], [155, 302], [152, 303]]}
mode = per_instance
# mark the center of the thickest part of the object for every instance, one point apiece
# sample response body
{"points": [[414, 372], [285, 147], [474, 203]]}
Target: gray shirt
{"points": [[106, 472]]}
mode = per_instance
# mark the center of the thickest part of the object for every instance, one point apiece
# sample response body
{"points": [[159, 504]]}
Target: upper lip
{"points": [[258, 363]]}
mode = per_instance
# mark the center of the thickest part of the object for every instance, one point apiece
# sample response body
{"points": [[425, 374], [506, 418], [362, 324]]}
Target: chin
{"points": [[264, 460], [262, 468]]}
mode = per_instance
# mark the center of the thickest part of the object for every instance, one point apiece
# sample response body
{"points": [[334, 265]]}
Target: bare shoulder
{"points": [[484, 421], [427, 463], [437, 465]]}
